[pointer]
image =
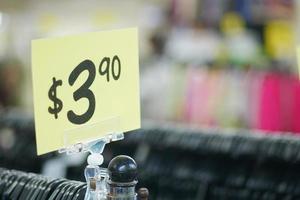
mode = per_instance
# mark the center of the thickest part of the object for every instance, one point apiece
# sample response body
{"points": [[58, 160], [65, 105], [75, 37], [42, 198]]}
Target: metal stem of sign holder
{"points": [[96, 176]]}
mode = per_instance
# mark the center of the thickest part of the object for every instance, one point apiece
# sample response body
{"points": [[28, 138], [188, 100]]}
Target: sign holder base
{"points": [[96, 176]]}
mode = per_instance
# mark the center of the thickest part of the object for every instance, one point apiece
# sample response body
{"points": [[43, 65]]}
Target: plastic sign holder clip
{"points": [[96, 176], [95, 146]]}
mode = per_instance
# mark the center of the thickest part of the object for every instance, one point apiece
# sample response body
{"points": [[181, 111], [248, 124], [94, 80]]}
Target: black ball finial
{"points": [[122, 169]]}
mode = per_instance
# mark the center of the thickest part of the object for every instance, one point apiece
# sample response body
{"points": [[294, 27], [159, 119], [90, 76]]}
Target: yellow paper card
{"points": [[85, 87]]}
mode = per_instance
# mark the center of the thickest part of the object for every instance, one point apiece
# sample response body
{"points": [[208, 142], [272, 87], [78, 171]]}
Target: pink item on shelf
{"points": [[200, 96], [189, 97], [269, 108], [296, 107], [286, 102], [212, 100], [255, 80]]}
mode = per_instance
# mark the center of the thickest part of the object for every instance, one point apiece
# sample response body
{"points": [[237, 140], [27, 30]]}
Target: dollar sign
{"points": [[58, 105]]}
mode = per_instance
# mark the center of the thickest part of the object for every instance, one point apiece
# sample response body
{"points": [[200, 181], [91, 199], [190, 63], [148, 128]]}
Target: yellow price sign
{"points": [[85, 86]]}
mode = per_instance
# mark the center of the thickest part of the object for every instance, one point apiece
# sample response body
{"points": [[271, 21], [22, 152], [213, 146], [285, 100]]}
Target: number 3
{"points": [[83, 92]]}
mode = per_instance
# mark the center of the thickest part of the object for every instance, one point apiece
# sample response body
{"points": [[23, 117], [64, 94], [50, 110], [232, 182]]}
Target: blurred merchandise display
{"points": [[19, 185], [226, 98], [17, 143], [219, 84], [239, 31], [184, 163], [211, 11], [181, 163], [229, 34], [228, 64], [10, 83]]}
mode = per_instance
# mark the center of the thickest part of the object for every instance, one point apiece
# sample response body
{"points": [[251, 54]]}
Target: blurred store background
{"points": [[207, 64], [228, 63]]}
